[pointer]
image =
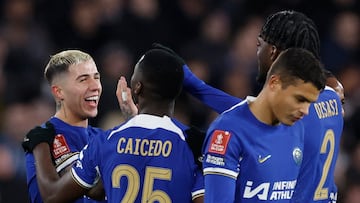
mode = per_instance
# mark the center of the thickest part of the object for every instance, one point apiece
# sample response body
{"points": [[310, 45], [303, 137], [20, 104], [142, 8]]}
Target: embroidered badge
{"points": [[297, 155], [60, 147], [219, 141]]}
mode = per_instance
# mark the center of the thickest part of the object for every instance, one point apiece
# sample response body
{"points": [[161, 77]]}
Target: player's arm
{"points": [[38, 141], [219, 188], [198, 190], [220, 163], [95, 193], [199, 199], [216, 99], [54, 189]]}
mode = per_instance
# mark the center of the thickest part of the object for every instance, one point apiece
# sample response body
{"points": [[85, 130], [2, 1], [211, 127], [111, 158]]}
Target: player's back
{"points": [[147, 159], [323, 129]]}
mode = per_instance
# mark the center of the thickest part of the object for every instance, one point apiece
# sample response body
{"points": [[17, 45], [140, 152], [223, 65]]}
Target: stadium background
{"points": [[217, 39]]}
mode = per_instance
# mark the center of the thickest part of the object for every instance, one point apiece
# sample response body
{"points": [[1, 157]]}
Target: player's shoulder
{"points": [[237, 113], [179, 124], [237, 107], [328, 92], [95, 130]]}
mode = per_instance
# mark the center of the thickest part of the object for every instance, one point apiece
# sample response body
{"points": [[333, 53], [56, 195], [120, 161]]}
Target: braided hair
{"points": [[291, 29]]}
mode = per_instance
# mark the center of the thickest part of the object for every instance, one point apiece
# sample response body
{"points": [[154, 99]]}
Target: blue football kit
{"points": [[68, 143], [323, 129], [145, 159], [246, 155]]}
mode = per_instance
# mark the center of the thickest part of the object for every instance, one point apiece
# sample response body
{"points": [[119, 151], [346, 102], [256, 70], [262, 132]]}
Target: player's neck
{"points": [[262, 110], [157, 108], [72, 119]]}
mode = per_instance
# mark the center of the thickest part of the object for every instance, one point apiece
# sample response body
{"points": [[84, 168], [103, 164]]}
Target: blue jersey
{"points": [[323, 129], [316, 172], [145, 159], [68, 143], [247, 155]]}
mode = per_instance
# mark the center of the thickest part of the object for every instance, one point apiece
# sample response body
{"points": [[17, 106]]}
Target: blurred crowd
{"points": [[216, 38]]}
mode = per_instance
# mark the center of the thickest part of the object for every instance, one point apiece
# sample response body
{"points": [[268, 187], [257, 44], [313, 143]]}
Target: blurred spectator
{"points": [[343, 42], [142, 25], [112, 11], [19, 118], [26, 39], [82, 30], [114, 60], [237, 83], [211, 45], [242, 54], [352, 193], [190, 109]]}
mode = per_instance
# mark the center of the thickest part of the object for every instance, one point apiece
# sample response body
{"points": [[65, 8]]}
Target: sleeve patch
{"points": [[219, 142], [60, 147]]}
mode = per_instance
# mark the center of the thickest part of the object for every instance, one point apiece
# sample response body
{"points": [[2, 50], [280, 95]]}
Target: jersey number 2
{"points": [[148, 194], [321, 192]]}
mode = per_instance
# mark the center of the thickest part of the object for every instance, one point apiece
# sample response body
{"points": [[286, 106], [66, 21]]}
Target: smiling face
{"points": [[79, 91]]}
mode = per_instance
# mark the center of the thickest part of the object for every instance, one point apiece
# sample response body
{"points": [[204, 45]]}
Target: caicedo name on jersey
{"points": [[144, 147], [326, 109]]}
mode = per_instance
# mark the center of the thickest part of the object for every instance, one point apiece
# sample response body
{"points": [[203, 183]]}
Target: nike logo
{"points": [[262, 160]]}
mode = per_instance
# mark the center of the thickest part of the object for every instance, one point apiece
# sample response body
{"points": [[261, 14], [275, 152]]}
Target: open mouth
{"points": [[93, 99]]}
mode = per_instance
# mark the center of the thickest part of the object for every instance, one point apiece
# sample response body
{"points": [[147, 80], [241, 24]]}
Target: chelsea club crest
{"points": [[297, 155]]}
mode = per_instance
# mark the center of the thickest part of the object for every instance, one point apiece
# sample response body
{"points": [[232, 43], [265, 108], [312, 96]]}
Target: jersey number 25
{"points": [[148, 194]]}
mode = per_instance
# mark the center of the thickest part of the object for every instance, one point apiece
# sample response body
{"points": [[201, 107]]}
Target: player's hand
{"points": [[126, 103], [38, 135], [195, 139], [170, 51]]}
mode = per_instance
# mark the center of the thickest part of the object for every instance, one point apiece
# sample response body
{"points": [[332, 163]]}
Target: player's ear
{"points": [[57, 92], [138, 88], [274, 81], [274, 53]]}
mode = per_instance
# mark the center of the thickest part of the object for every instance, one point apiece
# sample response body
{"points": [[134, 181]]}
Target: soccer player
{"points": [[334, 83], [282, 30], [326, 122], [75, 85], [324, 128], [145, 159], [253, 151]]}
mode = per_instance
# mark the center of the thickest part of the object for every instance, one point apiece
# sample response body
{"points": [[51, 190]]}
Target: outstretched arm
{"points": [[216, 99]]}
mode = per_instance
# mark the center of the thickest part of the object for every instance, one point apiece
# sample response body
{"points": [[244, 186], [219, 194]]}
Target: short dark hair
{"points": [[162, 73], [291, 29], [298, 63]]}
